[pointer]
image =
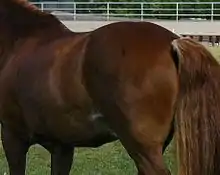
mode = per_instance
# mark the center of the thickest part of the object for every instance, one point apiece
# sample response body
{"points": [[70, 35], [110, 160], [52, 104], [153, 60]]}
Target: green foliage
{"points": [[153, 10]]}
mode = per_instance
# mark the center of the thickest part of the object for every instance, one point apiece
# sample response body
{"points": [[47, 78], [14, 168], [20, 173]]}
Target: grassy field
{"points": [[110, 159]]}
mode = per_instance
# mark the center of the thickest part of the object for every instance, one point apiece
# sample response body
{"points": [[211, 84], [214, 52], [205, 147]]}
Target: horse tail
{"points": [[197, 115]]}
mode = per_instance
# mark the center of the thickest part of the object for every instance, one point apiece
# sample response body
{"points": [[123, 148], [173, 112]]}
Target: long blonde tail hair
{"points": [[198, 114]]}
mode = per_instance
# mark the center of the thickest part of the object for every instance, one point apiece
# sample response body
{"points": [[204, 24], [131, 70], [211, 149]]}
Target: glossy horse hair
{"points": [[52, 80], [197, 115]]}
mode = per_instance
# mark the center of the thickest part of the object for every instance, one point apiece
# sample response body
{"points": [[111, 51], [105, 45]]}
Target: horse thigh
{"points": [[15, 151], [144, 141], [139, 110], [143, 127], [143, 138], [149, 124]]}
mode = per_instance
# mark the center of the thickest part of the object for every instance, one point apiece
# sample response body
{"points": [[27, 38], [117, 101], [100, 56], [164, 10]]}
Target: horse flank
{"points": [[197, 115]]}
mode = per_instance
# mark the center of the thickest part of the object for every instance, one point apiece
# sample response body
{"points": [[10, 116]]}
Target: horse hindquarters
{"points": [[142, 124], [140, 114]]}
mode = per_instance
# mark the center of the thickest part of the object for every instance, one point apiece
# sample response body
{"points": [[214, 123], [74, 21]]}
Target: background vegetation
{"points": [[153, 10]]}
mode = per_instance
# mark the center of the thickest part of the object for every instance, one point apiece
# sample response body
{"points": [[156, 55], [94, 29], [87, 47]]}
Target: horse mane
{"points": [[27, 18], [19, 20], [28, 5]]}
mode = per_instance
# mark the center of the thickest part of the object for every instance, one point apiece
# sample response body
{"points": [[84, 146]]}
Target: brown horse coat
{"points": [[63, 89]]}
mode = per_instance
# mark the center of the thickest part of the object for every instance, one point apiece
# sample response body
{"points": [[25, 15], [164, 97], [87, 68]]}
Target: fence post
{"points": [[142, 11], [212, 11], [177, 12], [42, 6], [74, 11], [108, 8]]}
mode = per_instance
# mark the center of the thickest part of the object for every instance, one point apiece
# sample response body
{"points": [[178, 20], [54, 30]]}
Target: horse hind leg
{"points": [[144, 140], [169, 137], [149, 131], [15, 151], [143, 127]]}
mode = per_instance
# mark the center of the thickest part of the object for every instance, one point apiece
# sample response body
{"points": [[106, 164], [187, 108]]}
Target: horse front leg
{"points": [[61, 160], [15, 150]]}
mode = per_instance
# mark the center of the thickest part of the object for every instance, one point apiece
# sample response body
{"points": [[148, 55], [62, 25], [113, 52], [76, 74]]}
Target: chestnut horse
{"points": [[132, 81]]}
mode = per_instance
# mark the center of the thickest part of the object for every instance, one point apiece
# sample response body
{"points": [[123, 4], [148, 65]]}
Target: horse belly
{"points": [[93, 131], [90, 130]]}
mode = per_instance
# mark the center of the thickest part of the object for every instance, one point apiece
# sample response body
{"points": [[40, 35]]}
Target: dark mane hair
{"points": [[27, 18], [19, 19], [28, 5]]}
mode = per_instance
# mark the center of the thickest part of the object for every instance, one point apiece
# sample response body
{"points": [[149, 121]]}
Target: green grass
{"points": [[216, 52], [110, 159]]}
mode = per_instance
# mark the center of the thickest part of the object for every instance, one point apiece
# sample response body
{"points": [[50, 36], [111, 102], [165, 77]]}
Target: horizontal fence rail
{"points": [[212, 40], [199, 11]]}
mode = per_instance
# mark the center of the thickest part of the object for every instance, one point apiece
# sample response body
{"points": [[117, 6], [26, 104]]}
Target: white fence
{"points": [[133, 10], [182, 27]]}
